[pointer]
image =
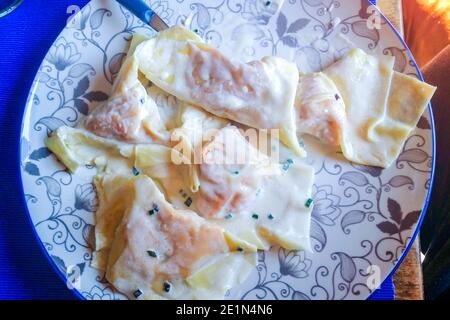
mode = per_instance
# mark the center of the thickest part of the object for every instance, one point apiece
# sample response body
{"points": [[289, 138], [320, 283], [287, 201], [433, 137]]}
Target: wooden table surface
{"points": [[408, 278]]}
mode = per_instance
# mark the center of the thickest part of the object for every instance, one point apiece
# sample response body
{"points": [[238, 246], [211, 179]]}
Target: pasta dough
{"points": [[382, 107], [320, 108], [169, 253], [259, 94]]}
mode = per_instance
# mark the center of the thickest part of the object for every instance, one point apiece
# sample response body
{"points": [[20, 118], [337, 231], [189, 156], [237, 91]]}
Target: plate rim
{"points": [[397, 264]]}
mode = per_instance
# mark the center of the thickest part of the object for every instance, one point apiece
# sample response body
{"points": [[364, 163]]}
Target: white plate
{"points": [[363, 218]]}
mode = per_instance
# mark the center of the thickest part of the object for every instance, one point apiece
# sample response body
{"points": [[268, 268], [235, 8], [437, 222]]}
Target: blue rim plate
{"points": [[358, 239]]}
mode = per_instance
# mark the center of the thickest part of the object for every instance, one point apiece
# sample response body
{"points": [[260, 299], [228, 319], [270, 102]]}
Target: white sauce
{"points": [[205, 77]]}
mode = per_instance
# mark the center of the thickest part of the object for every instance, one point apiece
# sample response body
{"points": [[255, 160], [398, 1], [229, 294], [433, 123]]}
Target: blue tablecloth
{"points": [[25, 35]]}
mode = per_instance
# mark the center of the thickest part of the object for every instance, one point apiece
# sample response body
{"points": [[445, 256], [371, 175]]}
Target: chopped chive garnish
{"points": [[142, 101], [135, 171], [195, 30], [236, 172], [270, 216], [336, 96], [255, 216], [152, 254], [167, 286], [228, 216], [154, 210], [137, 293], [287, 164], [188, 201], [308, 203], [240, 249], [268, 3]]}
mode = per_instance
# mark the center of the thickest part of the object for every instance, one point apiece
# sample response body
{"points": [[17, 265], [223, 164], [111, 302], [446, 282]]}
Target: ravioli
{"points": [[276, 214], [320, 108], [233, 191], [230, 173], [259, 94], [287, 225], [77, 147], [162, 252], [121, 190], [114, 193], [364, 82], [408, 99], [141, 113], [123, 118], [195, 126], [374, 97], [173, 179], [130, 114]]}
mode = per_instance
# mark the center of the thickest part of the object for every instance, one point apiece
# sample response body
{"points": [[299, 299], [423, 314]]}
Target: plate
{"points": [[364, 218]]}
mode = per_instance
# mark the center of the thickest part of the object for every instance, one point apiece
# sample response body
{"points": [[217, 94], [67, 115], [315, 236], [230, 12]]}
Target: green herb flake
{"points": [[287, 164], [268, 3], [135, 171], [188, 202], [240, 249], [255, 216], [167, 286], [270, 216], [137, 293], [152, 254], [154, 210], [308, 203]]}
